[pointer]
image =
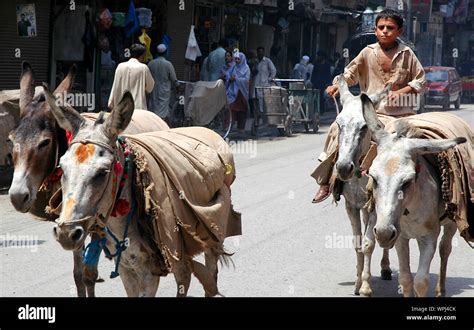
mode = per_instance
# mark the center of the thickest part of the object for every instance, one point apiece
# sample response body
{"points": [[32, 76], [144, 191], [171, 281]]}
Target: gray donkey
{"points": [[407, 196], [354, 142]]}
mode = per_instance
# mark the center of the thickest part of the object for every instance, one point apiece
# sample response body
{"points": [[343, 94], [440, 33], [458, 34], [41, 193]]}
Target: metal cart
{"points": [[303, 103], [276, 112]]}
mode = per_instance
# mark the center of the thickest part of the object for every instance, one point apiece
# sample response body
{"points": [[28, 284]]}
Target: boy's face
{"points": [[387, 31]]}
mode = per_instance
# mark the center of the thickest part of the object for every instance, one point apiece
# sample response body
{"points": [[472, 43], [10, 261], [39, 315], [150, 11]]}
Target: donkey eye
{"points": [[101, 174], [406, 185], [44, 144]]}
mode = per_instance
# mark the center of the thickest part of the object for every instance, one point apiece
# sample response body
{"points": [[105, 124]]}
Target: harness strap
{"points": [[120, 246]]}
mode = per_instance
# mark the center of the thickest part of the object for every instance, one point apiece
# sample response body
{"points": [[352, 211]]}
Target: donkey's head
{"points": [[36, 144], [354, 137], [395, 172], [91, 169]]}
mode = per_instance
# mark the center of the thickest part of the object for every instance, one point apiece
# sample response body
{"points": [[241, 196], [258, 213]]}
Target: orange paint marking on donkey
{"points": [[392, 166], [84, 152], [68, 207]]}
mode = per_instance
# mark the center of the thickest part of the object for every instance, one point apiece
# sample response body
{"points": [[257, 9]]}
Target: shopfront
{"points": [[25, 36]]}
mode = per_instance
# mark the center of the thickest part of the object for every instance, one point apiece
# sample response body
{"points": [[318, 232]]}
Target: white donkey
{"points": [[407, 196], [90, 186], [354, 143]]}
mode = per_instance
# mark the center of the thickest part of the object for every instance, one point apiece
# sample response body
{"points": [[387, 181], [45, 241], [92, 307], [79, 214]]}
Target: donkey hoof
{"points": [[366, 291], [386, 274], [440, 293]]}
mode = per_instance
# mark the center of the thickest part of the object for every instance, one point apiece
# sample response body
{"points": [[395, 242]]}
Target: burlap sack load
{"points": [[185, 176]]}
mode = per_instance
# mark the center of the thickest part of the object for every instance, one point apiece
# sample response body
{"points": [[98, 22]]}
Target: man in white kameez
{"points": [[165, 77], [266, 72], [132, 76]]}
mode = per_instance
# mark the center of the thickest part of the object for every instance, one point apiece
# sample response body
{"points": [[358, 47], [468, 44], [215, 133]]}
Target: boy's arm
{"points": [[351, 71], [417, 75], [351, 74]]}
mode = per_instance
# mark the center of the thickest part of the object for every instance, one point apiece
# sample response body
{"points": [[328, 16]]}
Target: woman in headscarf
{"points": [[229, 63], [237, 85]]}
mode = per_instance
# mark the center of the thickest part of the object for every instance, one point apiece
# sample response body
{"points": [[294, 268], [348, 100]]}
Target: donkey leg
{"points": [[206, 278], [78, 273], [368, 249], [445, 247], [148, 285], [130, 282], [385, 271], [182, 275], [354, 217], [90, 278], [427, 246], [211, 258], [405, 278]]}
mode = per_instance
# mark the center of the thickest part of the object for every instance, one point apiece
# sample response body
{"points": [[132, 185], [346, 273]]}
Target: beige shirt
{"points": [[366, 71], [134, 77]]}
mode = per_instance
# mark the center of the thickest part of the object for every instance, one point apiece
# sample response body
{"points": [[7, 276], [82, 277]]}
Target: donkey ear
{"points": [[377, 98], [424, 146], [66, 84], [373, 123], [121, 116], [67, 118], [343, 89], [27, 81]]}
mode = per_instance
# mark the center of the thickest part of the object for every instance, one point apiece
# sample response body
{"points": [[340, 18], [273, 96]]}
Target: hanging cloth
{"points": [[146, 40], [131, 21], [193, 51]]}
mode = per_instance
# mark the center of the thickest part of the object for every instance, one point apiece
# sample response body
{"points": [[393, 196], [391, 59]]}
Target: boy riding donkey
{"points": [[376, 66]]}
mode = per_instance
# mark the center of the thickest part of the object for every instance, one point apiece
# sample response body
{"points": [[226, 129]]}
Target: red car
{"points": [[443, 86]]}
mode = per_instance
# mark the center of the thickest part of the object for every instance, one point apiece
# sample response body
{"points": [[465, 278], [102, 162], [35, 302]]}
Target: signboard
{"points": [[26, 20]]}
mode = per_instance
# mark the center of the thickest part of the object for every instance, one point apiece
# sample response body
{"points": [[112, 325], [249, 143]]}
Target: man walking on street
{"points": [[265, 73], [132, 76], [165, 79]]}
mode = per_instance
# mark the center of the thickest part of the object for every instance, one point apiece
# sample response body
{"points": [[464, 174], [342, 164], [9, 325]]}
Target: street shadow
{"points": [[381, 288]]}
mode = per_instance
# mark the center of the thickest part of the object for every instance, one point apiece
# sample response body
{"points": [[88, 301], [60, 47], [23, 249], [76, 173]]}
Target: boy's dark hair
{"points": [[137, 50], [390, 13]]}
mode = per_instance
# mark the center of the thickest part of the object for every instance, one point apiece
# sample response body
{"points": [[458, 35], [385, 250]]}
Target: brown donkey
{"points": [[38, 144]]}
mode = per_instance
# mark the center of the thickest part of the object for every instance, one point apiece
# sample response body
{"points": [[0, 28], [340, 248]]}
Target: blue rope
{"points": [[91, 254], [120, 246]]}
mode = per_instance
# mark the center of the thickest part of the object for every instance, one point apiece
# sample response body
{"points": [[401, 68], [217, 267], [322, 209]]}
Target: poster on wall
{"points": [[26, 20]]}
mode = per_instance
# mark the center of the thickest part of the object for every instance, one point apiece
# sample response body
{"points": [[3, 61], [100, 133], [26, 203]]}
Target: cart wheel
{"points": [[254, 130], [306, 127], [315, 127], [222, 122], [288, 126]]}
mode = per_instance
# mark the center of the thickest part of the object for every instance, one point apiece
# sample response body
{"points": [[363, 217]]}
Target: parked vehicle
{"points": [[443, 87]]}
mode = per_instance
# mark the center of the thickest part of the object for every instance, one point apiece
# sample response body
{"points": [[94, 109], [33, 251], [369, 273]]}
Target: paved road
{"points": [[290, 247]]}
